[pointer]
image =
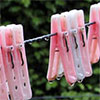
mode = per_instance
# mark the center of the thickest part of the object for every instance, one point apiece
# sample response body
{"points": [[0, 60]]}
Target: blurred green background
{"points": [[35, 15]]}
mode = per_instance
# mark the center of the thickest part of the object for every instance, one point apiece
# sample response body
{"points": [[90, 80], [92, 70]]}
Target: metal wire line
{"points": [[50, 35]]}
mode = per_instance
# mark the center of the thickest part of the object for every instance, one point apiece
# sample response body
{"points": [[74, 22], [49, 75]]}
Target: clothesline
{"points": [[50, 35]]}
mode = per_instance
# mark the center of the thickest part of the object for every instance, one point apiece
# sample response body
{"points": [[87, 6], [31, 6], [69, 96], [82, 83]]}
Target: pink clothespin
{"points": [[99, 29], [94, 34], [83, 44], [11, 68], [65, 49], [75, 45], [3, 81], [22, 62], [54, 59]]}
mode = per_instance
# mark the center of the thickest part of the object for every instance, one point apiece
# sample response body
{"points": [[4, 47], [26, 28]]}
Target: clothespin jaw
{"points": [[94, 34], [83, 44], [20, 54], [3, 83]]}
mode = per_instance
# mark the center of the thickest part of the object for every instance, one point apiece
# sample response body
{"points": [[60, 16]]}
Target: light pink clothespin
{"points": [[65, 49], [3, 81], [10, 63], [75, 45], [22, 62], [83, 44], [94, 34]]}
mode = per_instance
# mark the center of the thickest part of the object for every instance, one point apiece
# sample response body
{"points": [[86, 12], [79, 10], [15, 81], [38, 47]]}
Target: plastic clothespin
{"points": [[65, 49], [10, 63], [83, 44], [22, 62], [55, 68], [94, 34], [99, 29], [3, 81], [75, 45]]}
